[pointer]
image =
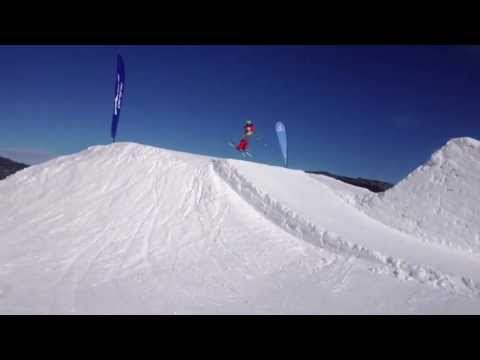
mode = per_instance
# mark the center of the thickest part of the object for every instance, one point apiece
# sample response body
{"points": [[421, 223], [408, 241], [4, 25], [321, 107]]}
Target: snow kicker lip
{"points": [[303, 229]]}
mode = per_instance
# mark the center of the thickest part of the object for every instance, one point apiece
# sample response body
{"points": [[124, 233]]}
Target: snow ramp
{"points": [[127, 228], [320, 210], [439, 202]]}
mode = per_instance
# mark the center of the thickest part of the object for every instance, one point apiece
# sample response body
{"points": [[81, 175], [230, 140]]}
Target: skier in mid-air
{"points": [[249, 129]]}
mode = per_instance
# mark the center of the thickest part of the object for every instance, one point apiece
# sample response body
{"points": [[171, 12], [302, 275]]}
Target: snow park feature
{"points": [[126, 228], [438, 202], [119, 92]]}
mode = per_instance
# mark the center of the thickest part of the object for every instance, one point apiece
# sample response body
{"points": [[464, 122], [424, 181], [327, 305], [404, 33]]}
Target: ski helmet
{"points": [[248, 122]]}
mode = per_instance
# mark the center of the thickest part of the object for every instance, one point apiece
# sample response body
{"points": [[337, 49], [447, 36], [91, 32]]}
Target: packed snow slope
{"points": [[439, 201], [128, 228]]}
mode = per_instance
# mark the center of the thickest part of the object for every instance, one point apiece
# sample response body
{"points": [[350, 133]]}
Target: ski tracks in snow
{"points": [[178, 233]]}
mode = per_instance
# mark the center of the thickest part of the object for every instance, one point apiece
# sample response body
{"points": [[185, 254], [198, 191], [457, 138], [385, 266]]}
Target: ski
{"points": [[244, 154]]}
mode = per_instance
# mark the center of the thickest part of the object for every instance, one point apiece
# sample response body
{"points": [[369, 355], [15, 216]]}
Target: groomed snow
{"points": [[439, 202], [127, 228]]}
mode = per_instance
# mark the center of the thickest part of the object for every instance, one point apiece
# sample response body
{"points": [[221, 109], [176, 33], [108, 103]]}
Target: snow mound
{"points": [[319, 210], [128, 228], [439, 201]]}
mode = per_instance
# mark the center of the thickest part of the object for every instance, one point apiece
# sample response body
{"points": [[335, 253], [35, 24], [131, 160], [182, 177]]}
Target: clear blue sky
{"points": [[364, 111]]}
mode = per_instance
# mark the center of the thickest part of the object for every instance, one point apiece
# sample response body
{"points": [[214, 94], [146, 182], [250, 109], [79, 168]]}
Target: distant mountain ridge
{"points": [[9, 167], [372, 185]]}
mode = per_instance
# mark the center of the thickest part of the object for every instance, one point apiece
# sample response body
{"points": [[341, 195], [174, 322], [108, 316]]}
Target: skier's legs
{"points": [[243, 145]]}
